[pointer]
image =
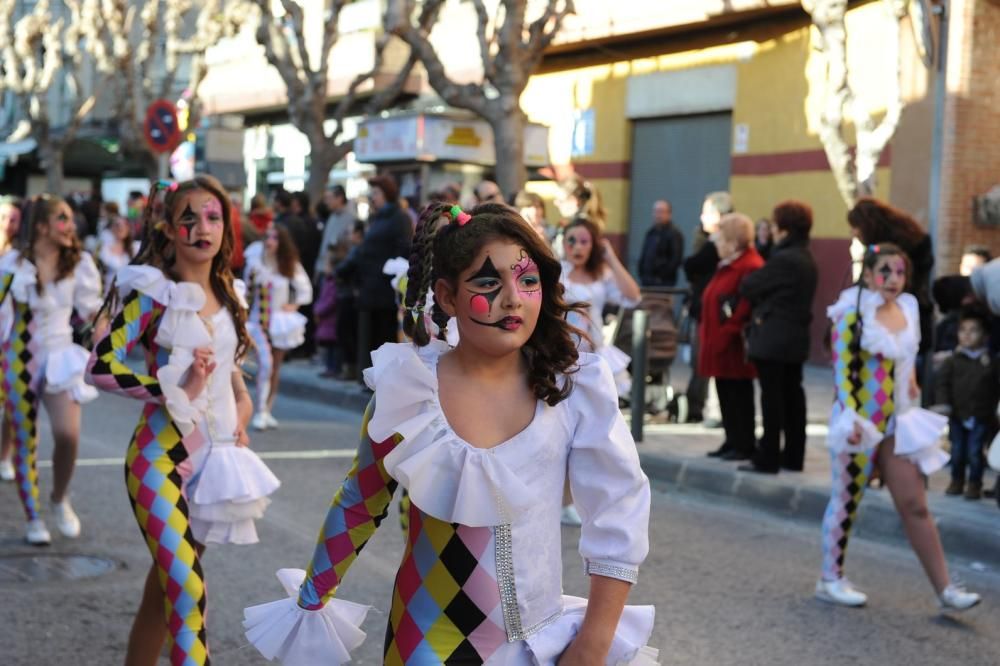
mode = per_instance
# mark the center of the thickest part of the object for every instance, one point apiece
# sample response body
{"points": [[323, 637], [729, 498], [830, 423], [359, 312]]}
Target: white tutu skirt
{"points": [[619, 362], [228, 492], [65, 369], [285, 631], [287, 329]]}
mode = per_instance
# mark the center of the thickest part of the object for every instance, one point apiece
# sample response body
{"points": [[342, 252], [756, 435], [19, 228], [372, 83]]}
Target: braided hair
{"points": [[445, 243], [158, 250], [872, 254]]}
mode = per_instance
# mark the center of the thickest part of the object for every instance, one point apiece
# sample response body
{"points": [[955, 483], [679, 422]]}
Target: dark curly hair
{"points": [[794, 218], [442, 249], [37, 214], [158, 250], [879, 222]]}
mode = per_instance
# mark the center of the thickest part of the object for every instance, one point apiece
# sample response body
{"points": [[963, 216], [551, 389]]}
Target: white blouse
{"points": [[64, 362], [597, 294]]}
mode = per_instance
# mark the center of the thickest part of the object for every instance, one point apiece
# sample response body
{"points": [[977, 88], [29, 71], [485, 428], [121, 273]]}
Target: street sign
{"points": [[163, 133]]}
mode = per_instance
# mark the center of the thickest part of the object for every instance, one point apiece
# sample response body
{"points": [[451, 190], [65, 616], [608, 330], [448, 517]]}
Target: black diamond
{"points": [[127, 381], [25, 377], [464, 655], [458, 560], [464, 614]]}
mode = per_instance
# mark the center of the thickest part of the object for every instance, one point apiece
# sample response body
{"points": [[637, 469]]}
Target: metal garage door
{"points": [[680, 159]]}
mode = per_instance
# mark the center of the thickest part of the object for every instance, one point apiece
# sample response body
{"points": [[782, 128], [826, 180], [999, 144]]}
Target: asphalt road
{"points": [[731, 586]]}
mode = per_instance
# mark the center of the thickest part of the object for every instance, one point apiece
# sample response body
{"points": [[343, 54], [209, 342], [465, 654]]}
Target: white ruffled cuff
{"points": [[918, 439], [628, 646], [183, 411], [285, 631], [842, 428]]}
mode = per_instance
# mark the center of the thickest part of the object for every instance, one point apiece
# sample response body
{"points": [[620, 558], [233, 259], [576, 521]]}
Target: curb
{"points": [[966, 537]]}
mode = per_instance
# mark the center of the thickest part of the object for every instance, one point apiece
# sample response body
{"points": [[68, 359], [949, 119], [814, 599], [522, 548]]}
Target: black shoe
{"points": [[736, 455], [791, 468], [752, 467], [721, 451]]}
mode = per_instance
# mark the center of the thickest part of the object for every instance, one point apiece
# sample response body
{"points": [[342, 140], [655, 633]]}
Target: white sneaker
{"points": [[66, 519], [7, 470], [955, 597], [258, 422], [37, 534], [839, 592], [270, 420], [570, 516]]}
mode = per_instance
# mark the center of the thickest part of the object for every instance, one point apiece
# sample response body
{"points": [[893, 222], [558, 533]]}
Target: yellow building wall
{"points": [[773, 98]]}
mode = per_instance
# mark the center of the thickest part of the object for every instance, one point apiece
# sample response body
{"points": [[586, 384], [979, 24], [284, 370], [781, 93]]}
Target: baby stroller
{"points": [[661, 349]]}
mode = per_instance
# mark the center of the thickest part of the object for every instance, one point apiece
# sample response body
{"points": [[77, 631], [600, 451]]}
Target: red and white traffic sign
{"points": [[163, 133]]}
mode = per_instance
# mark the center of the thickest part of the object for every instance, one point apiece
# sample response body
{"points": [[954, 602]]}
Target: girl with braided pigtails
{"points": [[875, 421], [190, 476], [47, 281], [483, 436]]}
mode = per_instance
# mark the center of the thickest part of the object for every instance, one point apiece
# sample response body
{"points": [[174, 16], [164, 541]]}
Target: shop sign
{"points": [[387, 139]]}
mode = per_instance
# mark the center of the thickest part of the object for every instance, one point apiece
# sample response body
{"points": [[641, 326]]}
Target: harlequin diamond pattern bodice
{"points": [[865, 381]]}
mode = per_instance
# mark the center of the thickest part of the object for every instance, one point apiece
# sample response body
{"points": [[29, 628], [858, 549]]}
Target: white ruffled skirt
{"points": [[229, 490], [65, 369], [917, 433], [287, 330], [295, 636]]}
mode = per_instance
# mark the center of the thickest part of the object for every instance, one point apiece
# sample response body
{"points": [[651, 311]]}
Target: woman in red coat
{"points": [[723, 354]]}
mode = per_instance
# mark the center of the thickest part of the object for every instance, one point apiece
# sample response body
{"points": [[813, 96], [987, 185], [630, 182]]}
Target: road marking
{"points": [[318, 454], [812, 429]]}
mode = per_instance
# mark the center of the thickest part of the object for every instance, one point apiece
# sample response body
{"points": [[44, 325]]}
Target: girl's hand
{"points": [[855, 437], [290, 307], [579, 653], [609, 251], [197, 376], [101, 327], [242, 438]]}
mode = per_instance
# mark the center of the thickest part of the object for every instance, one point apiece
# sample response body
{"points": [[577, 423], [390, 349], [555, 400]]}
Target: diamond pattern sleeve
{"points": [[108, 368], [358, 507]]}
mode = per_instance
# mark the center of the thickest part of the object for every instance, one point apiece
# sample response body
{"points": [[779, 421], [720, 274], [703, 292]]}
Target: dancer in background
{"points": [[486, 484], [48, 280], [190, 477], [876, 335], [117, 247], [279, 286], [10, 225]]}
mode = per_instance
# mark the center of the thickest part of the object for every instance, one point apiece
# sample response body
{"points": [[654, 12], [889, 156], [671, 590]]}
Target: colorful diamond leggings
{"points": [[22, 386], [262, 344], [155, 490], [851, 473]]}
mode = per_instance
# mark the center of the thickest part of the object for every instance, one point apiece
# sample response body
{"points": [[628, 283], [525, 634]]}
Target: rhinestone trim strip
{"points": [[505, 578], [610, 571]]}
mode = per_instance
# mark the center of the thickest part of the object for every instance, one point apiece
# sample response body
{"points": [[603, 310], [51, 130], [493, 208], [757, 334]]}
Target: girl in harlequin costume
{"points": [[10, 223], [875, 421], [279, 286], [481, 576], [190, 477], [47, 281]]}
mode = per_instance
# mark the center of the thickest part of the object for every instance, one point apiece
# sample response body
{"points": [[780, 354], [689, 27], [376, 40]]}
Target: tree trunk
{"points": [[508, 138], [323, 156], [52, 160]]}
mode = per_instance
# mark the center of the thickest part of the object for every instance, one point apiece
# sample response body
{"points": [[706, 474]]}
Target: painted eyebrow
{"points": [[487, 270], [187, 212]]}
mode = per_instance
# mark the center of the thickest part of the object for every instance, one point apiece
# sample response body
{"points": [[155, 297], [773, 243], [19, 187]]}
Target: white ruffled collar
{"points": [[446, 477], [876, 338]]}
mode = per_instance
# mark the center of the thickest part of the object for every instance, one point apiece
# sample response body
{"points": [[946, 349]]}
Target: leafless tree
{"points": [[145, 43], [854, 171], [307, 82], [39, 50], [510, 47]]}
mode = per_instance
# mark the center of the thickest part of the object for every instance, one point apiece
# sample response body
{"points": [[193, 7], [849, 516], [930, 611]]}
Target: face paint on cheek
{"points": [[525, 264], [212, 212], [479, 305], [883, 275]]}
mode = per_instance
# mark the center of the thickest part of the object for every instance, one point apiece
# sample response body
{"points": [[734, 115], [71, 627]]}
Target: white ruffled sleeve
{"points": [[302, 286], [609, 487], [614, 293], [240, 287], [182, 331], [295, 636], [87, 292]]}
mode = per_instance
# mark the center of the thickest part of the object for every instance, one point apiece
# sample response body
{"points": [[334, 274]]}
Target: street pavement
{"points": [[732, 585]]}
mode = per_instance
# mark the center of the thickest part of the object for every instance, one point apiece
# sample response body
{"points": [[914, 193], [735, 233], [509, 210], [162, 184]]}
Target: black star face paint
{"points": [[508, 267], [888, 276], [486, 278]]}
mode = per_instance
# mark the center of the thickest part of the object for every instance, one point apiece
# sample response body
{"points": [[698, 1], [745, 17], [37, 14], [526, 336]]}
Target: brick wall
{"points": [[971, 145]]}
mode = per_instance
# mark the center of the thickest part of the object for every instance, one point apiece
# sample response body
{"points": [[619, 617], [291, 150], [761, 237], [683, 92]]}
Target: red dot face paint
{"points": [[479, 305], [183, 232]]}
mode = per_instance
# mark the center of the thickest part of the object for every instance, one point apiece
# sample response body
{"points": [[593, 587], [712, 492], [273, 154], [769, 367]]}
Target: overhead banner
{"points": [[439, 138]]}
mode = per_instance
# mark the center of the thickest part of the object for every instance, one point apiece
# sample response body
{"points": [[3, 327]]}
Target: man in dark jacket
{"points": [[699, 269], [662, 250], [782, 295], [388, 236]]}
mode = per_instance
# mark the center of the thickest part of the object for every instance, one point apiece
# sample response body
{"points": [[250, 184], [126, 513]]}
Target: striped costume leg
{"points": [[154, 488], [851, 472], [264, 365], [21, 384]]}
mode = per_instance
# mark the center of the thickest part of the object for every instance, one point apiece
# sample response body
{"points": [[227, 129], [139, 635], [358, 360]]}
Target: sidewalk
{"points": [[674, 455]]}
